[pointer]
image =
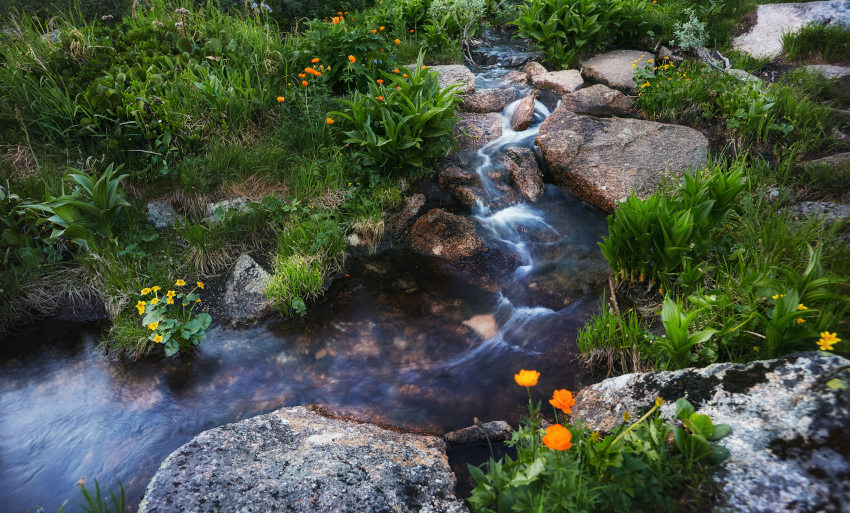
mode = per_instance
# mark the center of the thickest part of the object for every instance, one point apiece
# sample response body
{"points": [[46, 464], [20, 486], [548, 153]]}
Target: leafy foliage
{"points": [[171, 317]]}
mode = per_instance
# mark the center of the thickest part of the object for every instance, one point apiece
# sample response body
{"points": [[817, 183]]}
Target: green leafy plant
{"points": [[403, 122], [610, 340], [95, 503], [694, 439], [691, 33], [676, 348], [171, 317]]}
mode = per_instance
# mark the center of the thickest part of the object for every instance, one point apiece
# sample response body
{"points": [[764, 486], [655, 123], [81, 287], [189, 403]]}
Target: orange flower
{"points": [[382, 28], [411, 31], [379, 81], [280, 99], [404, 75], [304, 83], [380, 98], [374, 31], [398, 87], [557, 438], [395, 70], [526, 378], [397, 41], [314, 60], [563, 400], [309, 70], [336, 19], [352, 59], [381, 50], [424, 67], [329, 121], [340, 13], [302, 75]]}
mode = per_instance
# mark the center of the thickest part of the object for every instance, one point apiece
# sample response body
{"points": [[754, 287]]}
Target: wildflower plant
{"points": [[170, 316], [564, 467]]}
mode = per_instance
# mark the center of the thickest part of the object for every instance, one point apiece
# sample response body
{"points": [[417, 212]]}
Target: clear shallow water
{"points": [[390, 343]]}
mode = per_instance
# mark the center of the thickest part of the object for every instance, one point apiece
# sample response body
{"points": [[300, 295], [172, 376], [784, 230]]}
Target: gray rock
{"points": [[825, 210], [788, 447], [475, 130], [525, 173], [489, 100], [244, 298], [837, 160], [410, 208], [495, 431], [295, 460], [829, 71], [532, 68], [604, 160], [561, 82], [515, 78], [615, 69], [742, 75], [666, 53], [446, 235], [162, 215], [780, 195], [451, 74], [524, 113], [764, 40], [599, 100], [238, 205]]}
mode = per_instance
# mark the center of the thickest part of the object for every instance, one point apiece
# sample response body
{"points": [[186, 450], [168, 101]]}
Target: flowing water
{"points": [[392, 342]]}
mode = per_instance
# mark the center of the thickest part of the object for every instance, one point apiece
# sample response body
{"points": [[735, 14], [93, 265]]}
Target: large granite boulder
{"points": [[824, 210], [788, 449], [443, 234], [523, 115], [604, 160], [616, 69], [473, 131], [829, 71], [450, 74], [599, 100], [489, 100], [561, 82], [295, 460], [245, 298], [532, 68], [400, 220], [764, 40]]}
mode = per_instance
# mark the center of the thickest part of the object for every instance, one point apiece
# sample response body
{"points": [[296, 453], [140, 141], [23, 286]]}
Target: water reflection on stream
{"points": [[391, 342]]}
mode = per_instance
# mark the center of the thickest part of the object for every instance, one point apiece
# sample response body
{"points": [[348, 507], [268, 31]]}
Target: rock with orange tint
{"points": [[484, 325], [524, 113], [297, 460], [489, 100], [443, 234], [473, 131]]}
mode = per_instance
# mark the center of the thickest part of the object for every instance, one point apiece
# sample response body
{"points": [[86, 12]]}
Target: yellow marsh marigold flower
{"points": [[777, 296], [280, 99], [170, 293], [305, 83], [157, 339], [146, 291], [152, 326], [330, 121], [314, 60], [563, 400], [156, 288], [140, 306], [200, 285], [827, 340], [557, 438], [198, 300], [397, 41], [352, 59], [154, 300], [526, 378], [169, 300], [180, 283]]}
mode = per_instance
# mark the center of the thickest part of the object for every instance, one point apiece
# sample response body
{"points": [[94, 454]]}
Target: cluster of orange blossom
{"points": [[557, 437]]}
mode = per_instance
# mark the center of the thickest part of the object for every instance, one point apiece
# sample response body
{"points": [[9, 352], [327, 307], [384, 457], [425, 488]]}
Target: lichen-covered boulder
{"points": [[604, 160], [161, 215], [788, 448], [599, 100], [295, 460], [245, 298], [561, 82]]}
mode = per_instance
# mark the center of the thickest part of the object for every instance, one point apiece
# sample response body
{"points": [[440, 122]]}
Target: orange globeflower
{"points": [[382, 28], [374, 31], [304, 83], [404, 75], [329, 121], [563, 400], [397, 41], [557, 438], [280, 99], [526, 378], [380, 81], [395, 70], [314, 60], [302, 75], [411, 31], [380, 98], [398, 87], [352, 59], [381, 50]]}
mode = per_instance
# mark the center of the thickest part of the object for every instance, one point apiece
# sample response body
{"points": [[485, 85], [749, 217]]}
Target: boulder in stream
{"points": [[524, 113], [443, 234], [297, 460], [561, 82], [489, 100], [599, 100], [532, 68], [788, 449], [616, 69], [525, 173], [515, 78], [404, 216], [450, 74], [604, 160], [473, 131], [493, 432], [244, 298]]}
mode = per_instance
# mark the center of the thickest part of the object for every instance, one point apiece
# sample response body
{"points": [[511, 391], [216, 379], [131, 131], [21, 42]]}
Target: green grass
{"points": [[612, 341], [817, 42]]}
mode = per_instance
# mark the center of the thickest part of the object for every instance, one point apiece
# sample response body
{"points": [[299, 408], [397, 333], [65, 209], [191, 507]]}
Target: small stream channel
{"points": [[388, 343]]}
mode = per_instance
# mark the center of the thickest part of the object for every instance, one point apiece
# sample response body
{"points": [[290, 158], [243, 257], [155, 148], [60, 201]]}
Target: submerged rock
{"points": [[524, 113], [604, 160], [161, 215], [475, 130], [495, 431], [764, 40], [599, 100], [410, 208], [244, 298], [489, 100], [788, 449], [615, 69], [525, 173], [561, 82], [446, 235], [484, 325], [297, 460]]}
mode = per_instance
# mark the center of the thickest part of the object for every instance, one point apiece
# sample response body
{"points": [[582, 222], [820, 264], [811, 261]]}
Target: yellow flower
{"points": [[156, 288], [180, 283], [827, 340], [154, 300], [802, 307], [777, 296], [140, 306], [280, 99], [200, 285], [152, 326], [146, 291], [352, 59], [198, 300], [169, 300], [526, 378], [800, 320], [157, 339], [646, 84], [170, 293]]}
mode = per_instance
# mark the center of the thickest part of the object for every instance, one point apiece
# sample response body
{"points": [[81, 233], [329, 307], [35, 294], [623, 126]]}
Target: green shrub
{"points": [[573, 469], [818, 41], [402, 123], [565, 30]]}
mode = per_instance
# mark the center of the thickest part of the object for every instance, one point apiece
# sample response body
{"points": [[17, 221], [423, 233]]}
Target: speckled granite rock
{"points": [[162, 215], [223, 207], [826, 210], [788, 449], [562, 82], [532, 68], [446, 235], [405, 215], [244, 298], [599, 100], [295, 460], [604, 160], [475, 130], [523, 115], [765, 38], [488, 100], [525, 173], [615, 69], [450, 74], [495, 431]]}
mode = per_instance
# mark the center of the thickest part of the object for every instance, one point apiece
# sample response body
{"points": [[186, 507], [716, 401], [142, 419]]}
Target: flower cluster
{"points": [[557, 437], [169, 316]]}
